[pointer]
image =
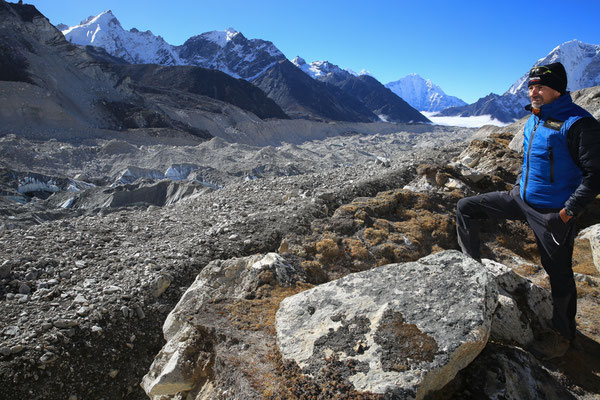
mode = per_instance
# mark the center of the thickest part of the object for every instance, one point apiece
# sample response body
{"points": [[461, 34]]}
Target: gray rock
{"points": [[22, 298], [5, 269], [503, 372], [80, 299], [83, 311], [161, 284], [11, 331], [592, 234], [523, 308], [17, 349], [236, 278], [220, 279], [24, 289], [408, 328], [139, 311], [47, 358], [65, 323], [112, 289]]}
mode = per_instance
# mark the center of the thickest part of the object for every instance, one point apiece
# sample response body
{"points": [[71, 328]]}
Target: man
{"points": [[559, 177]]}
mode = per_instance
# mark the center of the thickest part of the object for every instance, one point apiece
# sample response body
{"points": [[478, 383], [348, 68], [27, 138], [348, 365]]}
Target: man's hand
{"points": [[563, 215]]}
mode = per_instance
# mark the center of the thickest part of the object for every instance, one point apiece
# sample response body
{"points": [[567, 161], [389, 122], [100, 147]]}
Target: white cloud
{"points": [[465, 122]]}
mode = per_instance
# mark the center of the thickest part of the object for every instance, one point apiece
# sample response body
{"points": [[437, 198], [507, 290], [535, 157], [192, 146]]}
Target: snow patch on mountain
{"points": [[423, 94], [317, 69], [221, 38], [362, 72], [105, 30]]}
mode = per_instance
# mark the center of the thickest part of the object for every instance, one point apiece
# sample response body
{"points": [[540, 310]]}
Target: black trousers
{"points": [[554, 239]]}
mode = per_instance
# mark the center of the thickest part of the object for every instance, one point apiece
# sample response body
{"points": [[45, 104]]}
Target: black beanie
{"points": [[551, 75]]}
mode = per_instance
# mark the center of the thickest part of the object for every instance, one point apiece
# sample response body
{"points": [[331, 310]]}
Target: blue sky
{"points": [[468, 48]]}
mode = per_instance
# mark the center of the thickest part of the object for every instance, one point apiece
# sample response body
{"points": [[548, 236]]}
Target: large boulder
{"points": [[211, 334], [403, 330], [523, 310]]}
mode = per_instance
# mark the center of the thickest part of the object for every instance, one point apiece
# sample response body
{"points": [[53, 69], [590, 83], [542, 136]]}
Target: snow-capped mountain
{"points": [[423, 94], [581, 61], [135, 47], [381, 101], [334, 94], [229, 51]]}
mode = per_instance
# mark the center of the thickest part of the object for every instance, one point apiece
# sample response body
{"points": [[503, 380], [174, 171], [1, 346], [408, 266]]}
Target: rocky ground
{"points": [[85, 291]]}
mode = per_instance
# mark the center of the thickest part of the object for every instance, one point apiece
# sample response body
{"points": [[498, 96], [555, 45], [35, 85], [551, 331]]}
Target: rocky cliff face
{"points": [[229, 51], [301, 96], [379, 99], [199, 81]]}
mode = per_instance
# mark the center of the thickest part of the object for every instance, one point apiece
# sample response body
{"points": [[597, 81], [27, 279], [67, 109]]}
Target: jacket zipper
{"points": [[551, 155], [528, 153]]}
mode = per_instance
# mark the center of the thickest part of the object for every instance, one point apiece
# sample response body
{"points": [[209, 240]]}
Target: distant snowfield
{"points": [[465, 122]]}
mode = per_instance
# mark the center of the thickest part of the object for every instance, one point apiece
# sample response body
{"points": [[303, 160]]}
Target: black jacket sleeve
{"points": [[584, 145]]}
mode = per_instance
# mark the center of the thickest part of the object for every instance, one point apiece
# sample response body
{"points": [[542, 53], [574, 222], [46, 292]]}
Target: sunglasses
{"points": [[541, 70]]}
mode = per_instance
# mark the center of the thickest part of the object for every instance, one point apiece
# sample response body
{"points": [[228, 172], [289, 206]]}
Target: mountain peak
{"points": [[578, 58], [221, 38], [422, 94], [105, 17], [102, 21], [318, 69], [299, 61], [105, 30]]}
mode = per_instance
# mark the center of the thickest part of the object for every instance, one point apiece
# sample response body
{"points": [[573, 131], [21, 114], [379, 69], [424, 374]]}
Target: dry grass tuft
{"points": [[259, 314], [327, 249]]}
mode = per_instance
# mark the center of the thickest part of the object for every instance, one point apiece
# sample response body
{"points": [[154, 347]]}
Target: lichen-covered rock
{"points": [[523, 308], [403, 329], [180, 366], [236, 278], [205, 334]]}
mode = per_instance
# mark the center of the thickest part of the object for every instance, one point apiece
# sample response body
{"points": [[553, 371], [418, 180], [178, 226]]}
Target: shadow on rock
{"points": [[580, 365]]}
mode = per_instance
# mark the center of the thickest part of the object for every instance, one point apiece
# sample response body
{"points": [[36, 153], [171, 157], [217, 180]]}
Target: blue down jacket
{"points": [[550, 175]]}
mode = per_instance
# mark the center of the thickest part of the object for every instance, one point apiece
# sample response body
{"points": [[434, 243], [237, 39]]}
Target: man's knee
{"points": [[463, 205]]}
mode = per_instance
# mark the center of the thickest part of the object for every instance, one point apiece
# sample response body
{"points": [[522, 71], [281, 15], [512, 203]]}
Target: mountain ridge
{"points": [[381, 101], [249, 59]]}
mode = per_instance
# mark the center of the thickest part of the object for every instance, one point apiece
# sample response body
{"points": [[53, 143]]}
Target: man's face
{"points": [[540, 95]]}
